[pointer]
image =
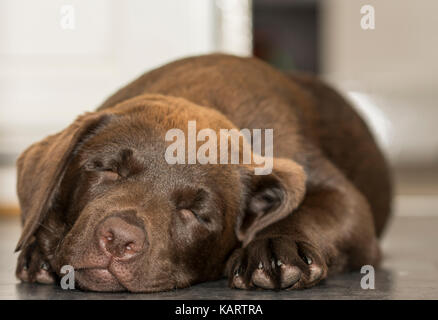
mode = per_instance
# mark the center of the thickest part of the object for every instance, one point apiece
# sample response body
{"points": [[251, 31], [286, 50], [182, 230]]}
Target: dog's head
{"points": [[101, 197]]}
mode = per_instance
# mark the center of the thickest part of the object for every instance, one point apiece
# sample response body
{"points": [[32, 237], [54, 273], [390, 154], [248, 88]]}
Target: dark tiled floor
{"points": [[409, 271]]}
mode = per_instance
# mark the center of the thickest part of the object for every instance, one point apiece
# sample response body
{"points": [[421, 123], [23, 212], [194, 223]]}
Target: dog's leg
{"points": [[35, 262], [331, 231]]}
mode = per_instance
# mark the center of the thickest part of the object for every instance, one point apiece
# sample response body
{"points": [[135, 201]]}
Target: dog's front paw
{"points": [[276, 263], [32, 267]]}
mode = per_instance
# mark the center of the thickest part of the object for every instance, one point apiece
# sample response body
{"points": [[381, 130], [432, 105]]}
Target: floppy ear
{"points": [[270, 198], [40, 170]]}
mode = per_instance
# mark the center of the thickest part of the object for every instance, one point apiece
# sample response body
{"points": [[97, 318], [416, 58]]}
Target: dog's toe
{"points": [[44, 276], [238, 282], [23, 274], [289, 275], [262, 280]]}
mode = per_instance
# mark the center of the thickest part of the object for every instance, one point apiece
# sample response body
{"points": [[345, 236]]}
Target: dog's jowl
{"points": [[101, 197]]}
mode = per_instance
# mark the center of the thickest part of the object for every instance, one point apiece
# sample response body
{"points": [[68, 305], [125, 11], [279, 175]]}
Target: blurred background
{"points": [[60, 58]]}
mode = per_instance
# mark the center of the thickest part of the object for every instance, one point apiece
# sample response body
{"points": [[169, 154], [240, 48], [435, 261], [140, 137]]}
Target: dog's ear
{"points": [[41, 167], [269, 198]]}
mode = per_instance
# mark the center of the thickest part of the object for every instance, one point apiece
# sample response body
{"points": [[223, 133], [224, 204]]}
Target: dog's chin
{"points": [[94, 279], [102, 280]]}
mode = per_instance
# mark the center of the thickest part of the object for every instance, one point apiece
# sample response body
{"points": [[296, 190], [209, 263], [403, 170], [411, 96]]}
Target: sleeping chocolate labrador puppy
{"points": [[101, 196]]}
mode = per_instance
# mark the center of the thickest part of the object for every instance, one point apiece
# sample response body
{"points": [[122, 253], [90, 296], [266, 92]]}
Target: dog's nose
{"points": [[120, 239]]}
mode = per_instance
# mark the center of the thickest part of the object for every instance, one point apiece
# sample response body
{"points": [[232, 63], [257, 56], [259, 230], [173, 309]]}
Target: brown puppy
{"points": [[101, 197]]}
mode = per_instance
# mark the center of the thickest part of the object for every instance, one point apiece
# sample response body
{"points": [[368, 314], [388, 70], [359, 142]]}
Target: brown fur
{"points": [[319, 212]]}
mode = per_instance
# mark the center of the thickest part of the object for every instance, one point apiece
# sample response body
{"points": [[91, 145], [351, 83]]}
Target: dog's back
{"points": [[346, 140]]}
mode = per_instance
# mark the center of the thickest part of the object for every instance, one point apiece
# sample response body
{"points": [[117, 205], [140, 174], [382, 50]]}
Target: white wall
{"points": [[49, 75], [390, 71]]}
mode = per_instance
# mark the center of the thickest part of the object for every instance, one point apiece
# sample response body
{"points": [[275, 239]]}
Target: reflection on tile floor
{"points": [[409, 271]]}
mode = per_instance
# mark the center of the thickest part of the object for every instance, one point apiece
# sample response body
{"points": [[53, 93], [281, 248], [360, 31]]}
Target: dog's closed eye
{"points": [[190, 204], [104, 173]]}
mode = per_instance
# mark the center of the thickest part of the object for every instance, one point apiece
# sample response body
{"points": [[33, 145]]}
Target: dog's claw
{"points": [[308, 260]]}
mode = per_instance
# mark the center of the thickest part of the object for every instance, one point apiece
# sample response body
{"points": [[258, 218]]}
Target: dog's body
{"points": [[104, 179]]}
